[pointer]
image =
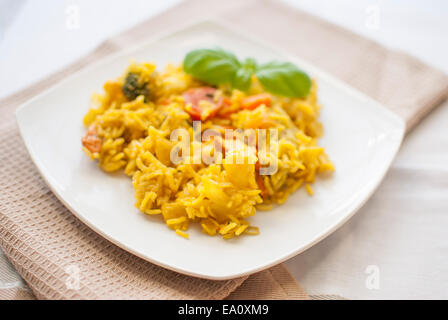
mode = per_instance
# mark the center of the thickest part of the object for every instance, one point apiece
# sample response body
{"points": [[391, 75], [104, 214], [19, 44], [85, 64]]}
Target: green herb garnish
{"points": [[217, 66], [214, 66]]}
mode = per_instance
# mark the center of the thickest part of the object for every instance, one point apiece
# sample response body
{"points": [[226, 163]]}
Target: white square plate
{"points": [[361, 137]]}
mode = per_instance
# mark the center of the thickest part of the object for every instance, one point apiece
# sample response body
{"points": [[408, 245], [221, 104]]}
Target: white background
{"points": [[401, 234]]}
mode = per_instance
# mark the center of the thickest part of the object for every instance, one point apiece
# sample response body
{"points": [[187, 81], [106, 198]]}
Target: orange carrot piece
{"points": [[254, 101]]}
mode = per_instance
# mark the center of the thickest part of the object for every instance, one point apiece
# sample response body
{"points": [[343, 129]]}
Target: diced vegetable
{"points": [[91, 141], [134, 87], [254, 101], [195, 106]]}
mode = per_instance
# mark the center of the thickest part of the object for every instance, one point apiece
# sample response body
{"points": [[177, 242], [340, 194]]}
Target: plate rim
{"points": [[242, 34]]}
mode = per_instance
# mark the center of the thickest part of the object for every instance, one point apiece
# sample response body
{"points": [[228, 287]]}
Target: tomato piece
{"points": [[223, 102], [225, 111], [195, 95], [194, 112], [254, 101]]}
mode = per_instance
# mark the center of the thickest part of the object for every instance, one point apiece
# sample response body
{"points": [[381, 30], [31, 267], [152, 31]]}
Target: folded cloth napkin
{"points": [[47, 244]]}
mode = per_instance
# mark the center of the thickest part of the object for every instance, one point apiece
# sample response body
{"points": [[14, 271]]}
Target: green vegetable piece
{"points": [[284, 79], [133, 87]]}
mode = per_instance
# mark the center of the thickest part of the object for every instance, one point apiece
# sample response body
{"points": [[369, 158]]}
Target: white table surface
{"points": [[396, 246]]}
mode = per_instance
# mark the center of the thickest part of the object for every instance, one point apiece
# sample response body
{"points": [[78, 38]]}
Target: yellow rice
{"points": [[135, 139]]}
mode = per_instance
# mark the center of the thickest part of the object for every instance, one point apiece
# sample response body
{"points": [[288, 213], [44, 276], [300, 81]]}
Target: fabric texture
{"points": [[11, 285], [45, 243]]}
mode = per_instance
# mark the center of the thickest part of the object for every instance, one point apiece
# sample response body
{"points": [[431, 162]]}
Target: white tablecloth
{"points": [[396, 246]]}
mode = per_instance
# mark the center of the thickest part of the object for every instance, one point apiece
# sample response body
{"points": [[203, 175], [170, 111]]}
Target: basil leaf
{"points": [[217, 66], [213, 66], [284, 79], [243, 79], [250, 64]]}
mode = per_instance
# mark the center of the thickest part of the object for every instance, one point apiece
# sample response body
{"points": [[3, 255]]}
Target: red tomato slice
{"points": [[195, 95], [225, 110]]}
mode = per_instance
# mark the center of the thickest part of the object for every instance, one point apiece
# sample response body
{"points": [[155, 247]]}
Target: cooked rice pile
{"points": [[129, 128]]}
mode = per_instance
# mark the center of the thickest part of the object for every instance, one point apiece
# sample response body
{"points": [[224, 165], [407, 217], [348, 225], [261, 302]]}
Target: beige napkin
{"points": [[46, 243]]}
